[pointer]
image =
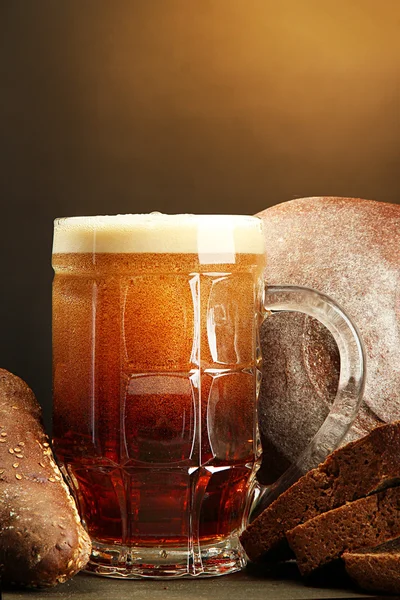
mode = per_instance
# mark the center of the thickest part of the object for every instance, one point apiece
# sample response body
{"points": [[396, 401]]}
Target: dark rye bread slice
{"points": [[42, 541], [376, 569], [359, 524], [354, 471]]}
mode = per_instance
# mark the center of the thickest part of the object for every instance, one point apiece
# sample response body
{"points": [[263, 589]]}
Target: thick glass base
{"points": [[221, 558]]}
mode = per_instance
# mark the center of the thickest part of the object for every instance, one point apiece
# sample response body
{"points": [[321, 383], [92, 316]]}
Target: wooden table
{"points": [[283, 583]]}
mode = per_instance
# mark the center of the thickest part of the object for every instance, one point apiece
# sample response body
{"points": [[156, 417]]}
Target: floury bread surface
{"points": [[349, 249], [159, 233]]}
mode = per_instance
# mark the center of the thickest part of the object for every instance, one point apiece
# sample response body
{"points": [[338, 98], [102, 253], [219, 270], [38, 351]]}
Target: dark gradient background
{"points": [[224, 106]]}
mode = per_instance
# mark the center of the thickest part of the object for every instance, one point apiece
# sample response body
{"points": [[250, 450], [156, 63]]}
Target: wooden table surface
{"points": [[283, 583]]}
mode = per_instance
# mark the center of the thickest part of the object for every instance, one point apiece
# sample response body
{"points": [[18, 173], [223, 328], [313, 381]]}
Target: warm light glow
{"points": [[237, 97]]}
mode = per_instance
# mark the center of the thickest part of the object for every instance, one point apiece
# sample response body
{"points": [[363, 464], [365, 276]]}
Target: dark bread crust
{"points": [[351, 472], [42, 541], [346, 248], [359, 524], [376, 569]]}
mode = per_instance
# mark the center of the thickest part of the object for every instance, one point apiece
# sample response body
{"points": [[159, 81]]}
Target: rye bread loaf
{"points": [[359, 524], [349, 249], [376, 569], [42, 541], [351, 472]]}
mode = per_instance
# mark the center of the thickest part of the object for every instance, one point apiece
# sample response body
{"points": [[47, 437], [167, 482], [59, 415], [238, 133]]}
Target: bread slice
{"points": [[376, 569], [354, 471], [359, 524]]}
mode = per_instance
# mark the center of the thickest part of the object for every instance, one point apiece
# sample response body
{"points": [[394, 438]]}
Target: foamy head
{"points": [[156, 232]]}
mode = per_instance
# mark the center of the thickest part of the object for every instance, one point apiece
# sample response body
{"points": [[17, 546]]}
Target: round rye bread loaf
{"points": [[349, 249]]}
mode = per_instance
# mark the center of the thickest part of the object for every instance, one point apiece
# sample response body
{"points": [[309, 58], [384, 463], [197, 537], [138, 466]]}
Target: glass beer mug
{"points": [[157, 368]]}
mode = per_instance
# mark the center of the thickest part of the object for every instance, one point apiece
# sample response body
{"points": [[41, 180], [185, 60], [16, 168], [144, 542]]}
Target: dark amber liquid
{"points": [[155, 376]]}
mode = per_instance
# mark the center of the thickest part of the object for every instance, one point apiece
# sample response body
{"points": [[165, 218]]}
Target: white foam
{"points": [[160, 233]]}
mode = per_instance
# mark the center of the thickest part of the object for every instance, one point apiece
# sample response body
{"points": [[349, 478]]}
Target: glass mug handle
{"points": [[350, 389]]}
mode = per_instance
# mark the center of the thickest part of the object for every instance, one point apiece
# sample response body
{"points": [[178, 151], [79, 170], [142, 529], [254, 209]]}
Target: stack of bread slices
{"points": [[346, 509]]}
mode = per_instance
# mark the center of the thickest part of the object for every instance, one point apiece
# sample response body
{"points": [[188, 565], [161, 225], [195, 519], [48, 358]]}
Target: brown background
{"points": [[180, 105]]}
